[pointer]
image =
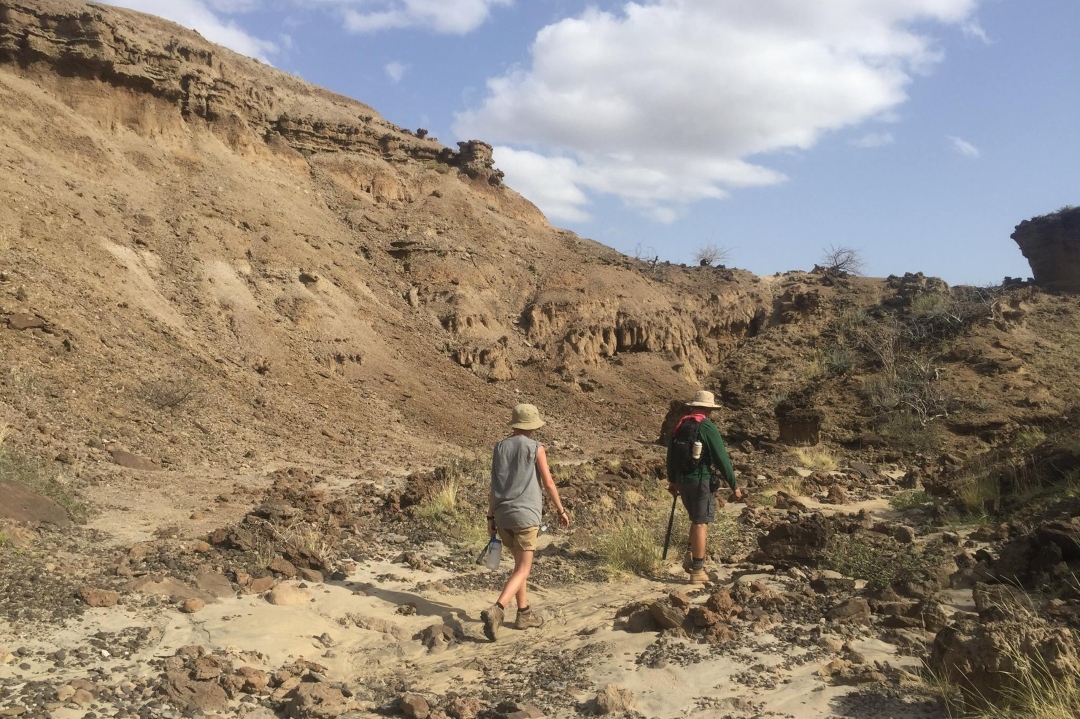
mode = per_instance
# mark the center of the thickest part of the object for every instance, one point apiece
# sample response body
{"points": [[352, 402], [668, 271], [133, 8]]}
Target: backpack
{"points": [[682, 447]]}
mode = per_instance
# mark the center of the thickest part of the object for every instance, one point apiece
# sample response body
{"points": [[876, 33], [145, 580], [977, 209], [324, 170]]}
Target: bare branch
{"points": [[711, 254], [842, 260]]}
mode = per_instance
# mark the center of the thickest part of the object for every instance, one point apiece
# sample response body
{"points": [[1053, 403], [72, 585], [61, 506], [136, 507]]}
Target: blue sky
{"points": [[918, 131]]}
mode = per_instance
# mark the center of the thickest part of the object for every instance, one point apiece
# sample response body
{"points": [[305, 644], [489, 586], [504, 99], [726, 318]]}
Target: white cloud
{"points": [[550, 182], [667, 102], [973, 29], [201, 16], [395, 70], [965, 148], [454, 17], [874, 139]]}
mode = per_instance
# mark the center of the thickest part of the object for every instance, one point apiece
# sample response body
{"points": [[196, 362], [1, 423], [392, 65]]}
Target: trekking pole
{"points": [[670, 523]]}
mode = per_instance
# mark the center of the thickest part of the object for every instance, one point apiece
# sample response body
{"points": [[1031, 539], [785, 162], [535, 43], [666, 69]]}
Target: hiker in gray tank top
{"points": [[518, 469], [515, 489]]}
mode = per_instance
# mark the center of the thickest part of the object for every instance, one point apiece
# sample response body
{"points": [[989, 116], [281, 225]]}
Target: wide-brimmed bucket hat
{"points": [[526, 416], [703, 399]]}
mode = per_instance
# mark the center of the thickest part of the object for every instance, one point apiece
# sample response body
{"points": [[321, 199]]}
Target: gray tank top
{"points": [[515, 488]]}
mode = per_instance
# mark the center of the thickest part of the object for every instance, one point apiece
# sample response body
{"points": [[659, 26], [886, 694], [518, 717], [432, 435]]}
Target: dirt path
{"points": [[366, 631]]}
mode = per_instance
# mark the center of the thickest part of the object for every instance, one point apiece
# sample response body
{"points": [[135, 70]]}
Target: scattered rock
{"points": [[828, 582], [984, 659], [667, 616], [191, 606], [252, 681], [801, 541], [613, 700], [833, 645], [836, 495], [679, 600], [865, 471], [437, 637], [261, 584], [191, 694], [414, 705], [463, 707], [316, 700], [282, 566], [159, 586], [636, 618], [311, 575], [23, 321], [855, 609], [286, 595], [904, 534], [518, 710], [23, 504], [99, 597], [131, 461], [214, 584]]}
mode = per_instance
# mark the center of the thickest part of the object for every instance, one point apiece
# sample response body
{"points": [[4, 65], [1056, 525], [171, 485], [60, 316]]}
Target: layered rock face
{"points": [[1051, 244], [190, 218]]}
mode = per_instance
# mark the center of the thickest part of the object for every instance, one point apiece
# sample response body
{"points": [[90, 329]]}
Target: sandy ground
{"points": [[579, 621]]}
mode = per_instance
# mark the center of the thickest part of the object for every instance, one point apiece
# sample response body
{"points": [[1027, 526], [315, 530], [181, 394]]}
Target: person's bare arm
{"points": [[549, 485]]}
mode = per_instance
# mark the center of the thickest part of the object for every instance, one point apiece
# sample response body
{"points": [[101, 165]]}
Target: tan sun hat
{"points": [[703, 398], [526, 416]]}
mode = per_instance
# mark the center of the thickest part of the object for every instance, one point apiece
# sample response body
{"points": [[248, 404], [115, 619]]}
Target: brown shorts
{"points": [[523, 538]]}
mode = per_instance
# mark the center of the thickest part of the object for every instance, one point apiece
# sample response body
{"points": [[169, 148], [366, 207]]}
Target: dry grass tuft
{"points": [[441, 504], [981, 493], [795, 486], [818, 459], [629, 547]]}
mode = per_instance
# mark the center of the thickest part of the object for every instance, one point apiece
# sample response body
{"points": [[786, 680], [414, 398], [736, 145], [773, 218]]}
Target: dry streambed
{"points": [[314, 605]]}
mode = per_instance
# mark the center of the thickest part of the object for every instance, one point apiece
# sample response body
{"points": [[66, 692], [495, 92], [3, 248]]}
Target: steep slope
{"points": [[216, 264]]}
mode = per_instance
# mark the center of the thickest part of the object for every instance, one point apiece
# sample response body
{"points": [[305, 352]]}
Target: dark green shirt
{"points": [[714, 458]]}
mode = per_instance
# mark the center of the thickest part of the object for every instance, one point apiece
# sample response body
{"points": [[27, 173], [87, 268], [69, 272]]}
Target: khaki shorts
{"points": [[523, 538]]}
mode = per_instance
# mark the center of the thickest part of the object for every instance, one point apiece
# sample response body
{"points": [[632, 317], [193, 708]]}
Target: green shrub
{"points": [[906, 432], [1028, 439], [910, 500], [880, 560], [838, 360]]}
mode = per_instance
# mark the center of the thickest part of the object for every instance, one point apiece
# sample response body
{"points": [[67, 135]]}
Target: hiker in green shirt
{"points": [[696, 455]]}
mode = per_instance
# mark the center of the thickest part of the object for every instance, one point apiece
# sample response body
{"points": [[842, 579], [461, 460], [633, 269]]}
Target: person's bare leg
{"points": [[522, 596], [699, 538], [515, 586]]}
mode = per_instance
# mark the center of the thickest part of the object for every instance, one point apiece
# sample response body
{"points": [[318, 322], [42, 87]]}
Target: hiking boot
{"points": [[492, 619], [698, 576], [688, 563], [528, 619]]}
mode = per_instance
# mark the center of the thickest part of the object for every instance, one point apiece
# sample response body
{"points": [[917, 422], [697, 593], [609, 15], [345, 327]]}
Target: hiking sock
{"points": [[500, 606], [526, 610], [696, 564]]}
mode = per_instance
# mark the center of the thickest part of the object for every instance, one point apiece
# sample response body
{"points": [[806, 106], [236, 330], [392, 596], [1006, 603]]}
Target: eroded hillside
{"points": [[216, 263]]}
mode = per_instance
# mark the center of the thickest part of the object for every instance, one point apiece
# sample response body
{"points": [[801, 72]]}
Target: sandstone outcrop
{"points": [[1051, 244]]}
